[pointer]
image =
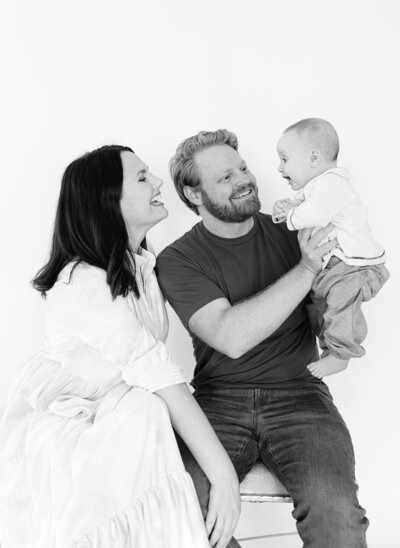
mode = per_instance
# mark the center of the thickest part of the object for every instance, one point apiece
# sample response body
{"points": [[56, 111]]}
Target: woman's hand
{"points": [[312, 252], [192, 425], [223, 511]]}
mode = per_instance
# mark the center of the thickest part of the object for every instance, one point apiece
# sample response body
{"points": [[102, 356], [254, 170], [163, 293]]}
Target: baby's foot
{"points": [[327, 366]]}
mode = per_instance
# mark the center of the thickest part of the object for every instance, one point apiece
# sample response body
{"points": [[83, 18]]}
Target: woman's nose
{"points": [[156, 182]]}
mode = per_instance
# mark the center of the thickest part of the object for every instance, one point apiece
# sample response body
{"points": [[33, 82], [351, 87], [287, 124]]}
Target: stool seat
{"points": [[260, 485]]}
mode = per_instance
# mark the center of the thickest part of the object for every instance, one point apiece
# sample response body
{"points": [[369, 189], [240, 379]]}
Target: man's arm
{"points": [[234, 330]]}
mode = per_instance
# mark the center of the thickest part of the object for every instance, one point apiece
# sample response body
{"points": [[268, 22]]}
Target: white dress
{"points": [[88, 455]]}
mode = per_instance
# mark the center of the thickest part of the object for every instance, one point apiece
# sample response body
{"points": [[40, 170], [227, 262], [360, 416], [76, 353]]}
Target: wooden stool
{"points": [[260, 485]]}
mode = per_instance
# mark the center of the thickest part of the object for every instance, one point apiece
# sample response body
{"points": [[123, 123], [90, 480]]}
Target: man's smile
{"points": [[243, 193]]}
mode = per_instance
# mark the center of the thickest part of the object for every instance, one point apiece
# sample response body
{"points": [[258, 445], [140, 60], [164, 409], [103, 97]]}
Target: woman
{"points": [[89, 456]]}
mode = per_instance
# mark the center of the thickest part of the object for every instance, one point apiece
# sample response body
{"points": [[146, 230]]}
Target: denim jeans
{"points": [[301, 437]]}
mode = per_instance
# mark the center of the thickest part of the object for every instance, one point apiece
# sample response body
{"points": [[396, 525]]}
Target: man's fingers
{"points": [[321, 234], [304, 234], [323, 249]]}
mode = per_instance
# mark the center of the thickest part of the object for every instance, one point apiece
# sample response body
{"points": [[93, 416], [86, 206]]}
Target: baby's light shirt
{"points": [[331, 198]]}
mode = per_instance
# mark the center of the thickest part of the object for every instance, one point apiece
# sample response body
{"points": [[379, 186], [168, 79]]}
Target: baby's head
{"points": [[307, 149]]}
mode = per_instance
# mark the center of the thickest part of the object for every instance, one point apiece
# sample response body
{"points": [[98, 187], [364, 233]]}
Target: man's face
{"points": [[228, 189]]}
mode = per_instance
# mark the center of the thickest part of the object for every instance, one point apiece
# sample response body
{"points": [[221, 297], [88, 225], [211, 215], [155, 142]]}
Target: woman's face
{"points": [[141, 204]]}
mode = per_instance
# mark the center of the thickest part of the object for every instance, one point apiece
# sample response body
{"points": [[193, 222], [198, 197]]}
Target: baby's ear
{"points": [[315, 157]]}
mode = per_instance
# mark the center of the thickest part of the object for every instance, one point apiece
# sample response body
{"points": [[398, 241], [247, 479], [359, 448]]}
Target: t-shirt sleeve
{"points": [[184, 284]]}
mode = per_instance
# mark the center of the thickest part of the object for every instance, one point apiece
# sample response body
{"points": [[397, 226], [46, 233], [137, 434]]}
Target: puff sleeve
{"points": [[107, 338]]}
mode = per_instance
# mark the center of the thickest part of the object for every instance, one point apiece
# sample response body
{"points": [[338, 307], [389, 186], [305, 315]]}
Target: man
{"points": [[239, 283]]}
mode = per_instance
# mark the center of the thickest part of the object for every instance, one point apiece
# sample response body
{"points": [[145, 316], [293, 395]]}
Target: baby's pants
{"points": [[337, 294]]}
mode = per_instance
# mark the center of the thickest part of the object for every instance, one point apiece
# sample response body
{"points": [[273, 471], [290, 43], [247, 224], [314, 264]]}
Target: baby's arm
{"points": [[281, 209], [327, 197]]}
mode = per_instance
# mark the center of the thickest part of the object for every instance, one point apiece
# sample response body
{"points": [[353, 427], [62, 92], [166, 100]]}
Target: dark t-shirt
{"points": [[200, 267]]}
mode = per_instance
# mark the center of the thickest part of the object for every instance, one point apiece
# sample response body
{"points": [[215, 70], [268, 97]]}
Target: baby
{"points": [[308, 152]]}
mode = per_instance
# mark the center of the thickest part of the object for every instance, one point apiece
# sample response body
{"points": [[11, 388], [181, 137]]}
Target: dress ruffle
{"points": [[103, 463], [49, 387], [88, 457], [161, 518]]}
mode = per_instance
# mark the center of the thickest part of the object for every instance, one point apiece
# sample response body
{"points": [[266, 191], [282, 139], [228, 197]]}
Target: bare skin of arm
{"points": [[193, 427], [234, 330]]}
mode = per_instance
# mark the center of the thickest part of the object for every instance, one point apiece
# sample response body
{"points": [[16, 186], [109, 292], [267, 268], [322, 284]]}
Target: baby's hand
{"points": [[280, 210]]}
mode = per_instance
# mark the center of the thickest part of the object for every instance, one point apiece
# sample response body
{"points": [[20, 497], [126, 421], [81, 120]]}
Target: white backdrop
{"points": [[79, 74]]}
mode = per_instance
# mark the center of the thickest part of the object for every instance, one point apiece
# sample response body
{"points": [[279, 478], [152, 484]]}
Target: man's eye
{"points": [[143, 179], [244, 168]]}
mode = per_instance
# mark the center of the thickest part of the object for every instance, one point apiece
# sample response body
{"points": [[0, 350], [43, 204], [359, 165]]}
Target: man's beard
{"points": [[233, 212]]}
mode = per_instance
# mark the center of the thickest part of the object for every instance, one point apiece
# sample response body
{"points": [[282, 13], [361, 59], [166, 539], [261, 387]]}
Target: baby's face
{"points": [[295, 160]]}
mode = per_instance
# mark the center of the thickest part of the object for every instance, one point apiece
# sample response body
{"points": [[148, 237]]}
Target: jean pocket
{"points": [[322, 391]]}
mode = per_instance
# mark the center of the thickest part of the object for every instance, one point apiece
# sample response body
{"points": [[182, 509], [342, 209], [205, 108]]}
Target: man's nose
{"points": [[280, 169], [243, 178]]}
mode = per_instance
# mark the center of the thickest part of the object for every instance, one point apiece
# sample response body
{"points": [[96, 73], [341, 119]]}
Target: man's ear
{"points": [[193, 195], [315, 157]]}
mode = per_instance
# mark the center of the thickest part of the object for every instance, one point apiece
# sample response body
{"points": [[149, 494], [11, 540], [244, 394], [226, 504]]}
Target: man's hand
{"points": [[312, 252], [223, 512]]}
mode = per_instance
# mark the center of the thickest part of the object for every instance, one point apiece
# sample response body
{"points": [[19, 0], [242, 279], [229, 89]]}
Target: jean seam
{"points": [[240, 453], [256, 406], [276, 460]]}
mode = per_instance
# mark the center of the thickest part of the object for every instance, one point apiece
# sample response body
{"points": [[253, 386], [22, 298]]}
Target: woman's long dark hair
{"points": [[89, 226]]}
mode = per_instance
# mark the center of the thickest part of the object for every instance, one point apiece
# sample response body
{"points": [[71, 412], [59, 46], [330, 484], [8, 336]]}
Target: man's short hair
{"points": [[182, 166], [321, 133]]}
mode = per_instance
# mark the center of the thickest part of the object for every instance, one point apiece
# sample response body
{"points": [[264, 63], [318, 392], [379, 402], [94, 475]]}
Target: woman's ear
{"points": [[193, 195], [315, 157]]}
